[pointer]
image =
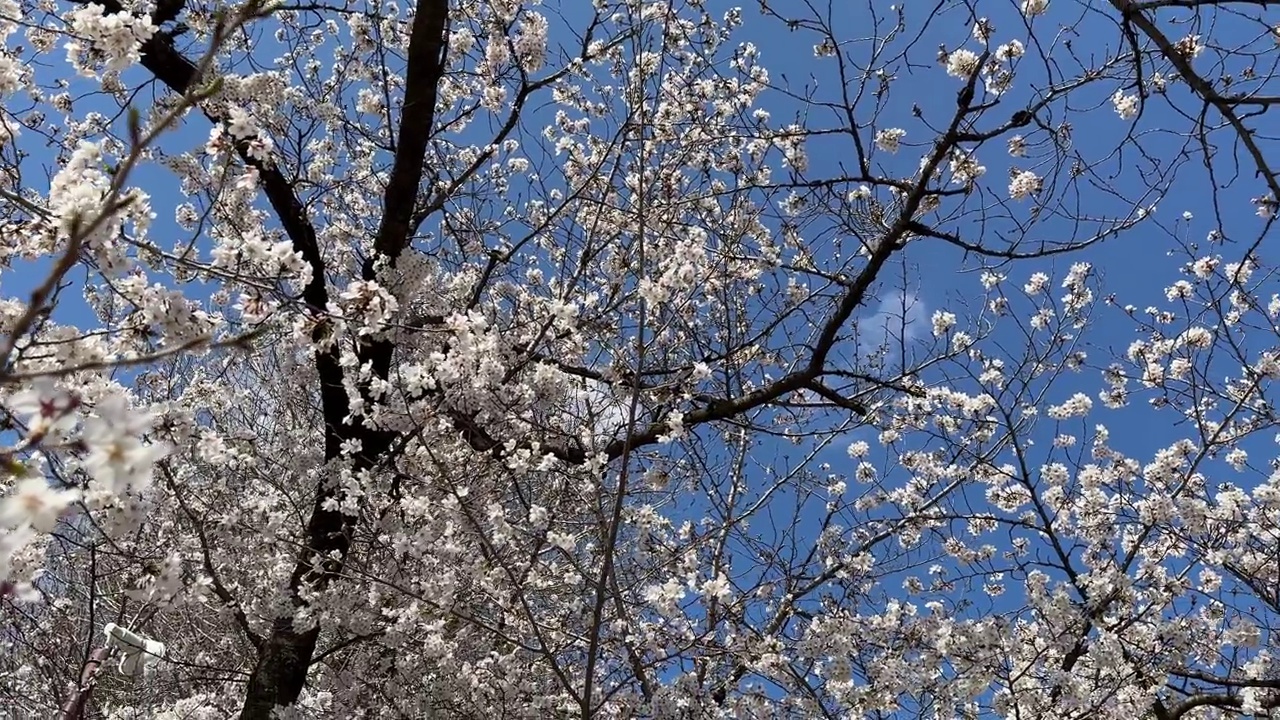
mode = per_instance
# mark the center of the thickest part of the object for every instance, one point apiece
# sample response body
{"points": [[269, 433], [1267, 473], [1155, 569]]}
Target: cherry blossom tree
{"points": [[562, 359]]}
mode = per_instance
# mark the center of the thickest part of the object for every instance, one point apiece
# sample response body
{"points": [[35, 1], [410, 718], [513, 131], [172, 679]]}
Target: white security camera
{"points": [[139, 654]]}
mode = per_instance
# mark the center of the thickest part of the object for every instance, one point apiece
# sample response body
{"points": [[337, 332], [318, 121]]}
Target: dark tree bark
{"points": [[285, 654]]}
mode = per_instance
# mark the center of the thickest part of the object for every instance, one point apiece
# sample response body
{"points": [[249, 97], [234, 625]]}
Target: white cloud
{"points": [[901, 320], [601, 409]]}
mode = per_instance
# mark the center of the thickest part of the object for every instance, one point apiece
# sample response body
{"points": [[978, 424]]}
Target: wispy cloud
{"points": [[899, 322], [602, 409]]}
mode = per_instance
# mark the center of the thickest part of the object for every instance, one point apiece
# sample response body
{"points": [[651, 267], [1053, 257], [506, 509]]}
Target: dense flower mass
{"points": [[540, 359], [111, 39]]}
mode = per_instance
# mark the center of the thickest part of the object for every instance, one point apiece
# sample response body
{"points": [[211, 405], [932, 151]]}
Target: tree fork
{"points": [[285, 656]]}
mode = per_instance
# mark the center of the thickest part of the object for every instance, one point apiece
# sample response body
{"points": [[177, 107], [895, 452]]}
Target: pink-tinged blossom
{"points": [[44, 407], [1024, 184], [240, 124], [76, 193], [1126, 105], [1031, 8], [1265, 206], [118, 457], [11, 73], [890, 139], [1010, 51], [116, 37], [531, 40], [33, 502], [1036, 284], [962, 63], [11, 541]]}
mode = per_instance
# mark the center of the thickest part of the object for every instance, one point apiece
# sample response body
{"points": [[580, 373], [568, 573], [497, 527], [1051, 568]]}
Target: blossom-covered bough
{"points": [[546, 359]]}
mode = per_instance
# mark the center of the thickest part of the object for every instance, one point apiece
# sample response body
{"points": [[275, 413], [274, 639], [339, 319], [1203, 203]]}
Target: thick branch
{"points": [[426, 64], [1133, 13]]}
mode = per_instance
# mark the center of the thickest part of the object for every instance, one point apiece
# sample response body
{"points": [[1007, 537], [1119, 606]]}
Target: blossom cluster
{"points": [[106, 440]]}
